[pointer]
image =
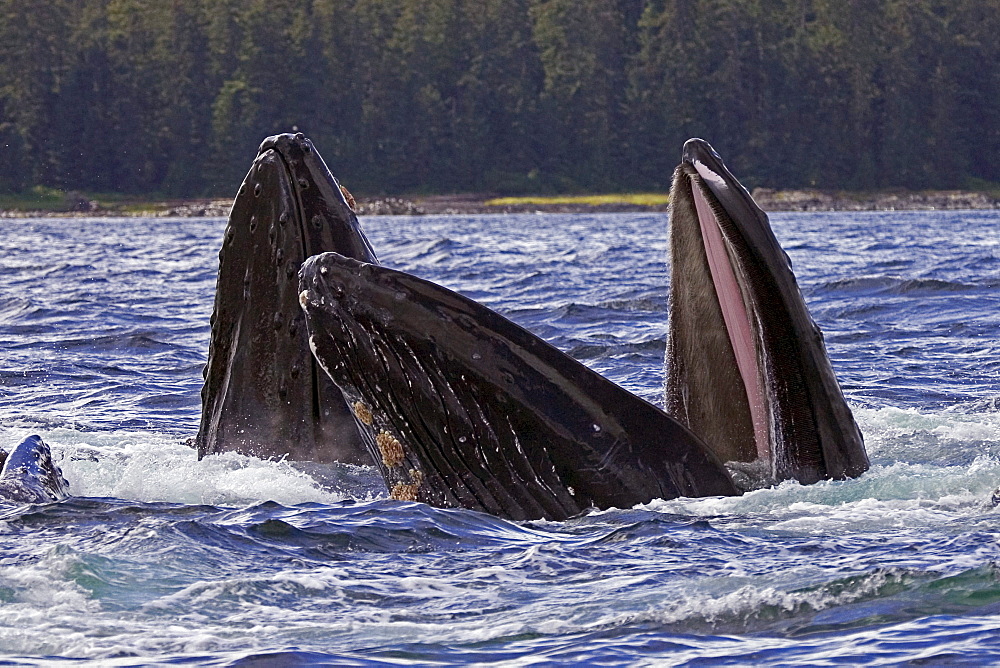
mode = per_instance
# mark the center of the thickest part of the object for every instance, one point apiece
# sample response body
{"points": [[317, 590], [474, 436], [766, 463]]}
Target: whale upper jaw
{"points": [[30, 476], [264, 394], [747, 368]]}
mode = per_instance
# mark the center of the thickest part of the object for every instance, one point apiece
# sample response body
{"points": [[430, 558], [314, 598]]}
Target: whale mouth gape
{"points": [[739, 328], [747, 368]]}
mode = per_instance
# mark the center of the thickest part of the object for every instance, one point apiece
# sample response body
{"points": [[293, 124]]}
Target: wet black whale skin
{"points": [[486, 415], [264, 394]]}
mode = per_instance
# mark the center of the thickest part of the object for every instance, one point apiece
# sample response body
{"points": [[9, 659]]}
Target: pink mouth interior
{"points": [[734, 314]]}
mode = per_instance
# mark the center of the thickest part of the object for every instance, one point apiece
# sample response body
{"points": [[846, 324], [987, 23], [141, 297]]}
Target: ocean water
{"points": [[160, 558]]}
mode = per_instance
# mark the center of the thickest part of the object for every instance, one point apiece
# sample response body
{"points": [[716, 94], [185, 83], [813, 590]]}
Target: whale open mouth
{"points": [[723, 268], [747, 368]]}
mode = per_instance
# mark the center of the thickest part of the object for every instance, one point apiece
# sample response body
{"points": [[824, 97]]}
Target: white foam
{"points": [[928, 469], [925, 467], [150, 467]]}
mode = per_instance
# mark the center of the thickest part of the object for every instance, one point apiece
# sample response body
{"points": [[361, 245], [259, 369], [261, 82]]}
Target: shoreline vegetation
{"points": [[78, 205], [500, 96]]}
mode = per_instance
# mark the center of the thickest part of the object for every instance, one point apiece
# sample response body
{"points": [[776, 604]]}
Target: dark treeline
{"points": [[173, 96]]}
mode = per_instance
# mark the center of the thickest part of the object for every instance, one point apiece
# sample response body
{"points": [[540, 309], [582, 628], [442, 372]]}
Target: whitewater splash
{"points": [[924, 464]]}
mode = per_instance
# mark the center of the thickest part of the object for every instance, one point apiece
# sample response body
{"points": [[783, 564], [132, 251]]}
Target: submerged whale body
{"points": [[459, 407], [29, 475]]}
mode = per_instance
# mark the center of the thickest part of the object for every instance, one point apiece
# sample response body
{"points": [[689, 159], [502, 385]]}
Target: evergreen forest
{"points": [[508, 96]]}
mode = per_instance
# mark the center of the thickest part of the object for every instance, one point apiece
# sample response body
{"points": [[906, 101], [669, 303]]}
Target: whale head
{"points": [[263, 394], [747, 368], [29, 475]]}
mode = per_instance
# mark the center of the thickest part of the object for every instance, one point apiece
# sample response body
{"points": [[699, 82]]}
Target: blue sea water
{"points": [[162, 559]]}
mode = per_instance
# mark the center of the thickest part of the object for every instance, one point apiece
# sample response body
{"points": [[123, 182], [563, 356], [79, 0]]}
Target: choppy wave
{"points": [[890, 285]]}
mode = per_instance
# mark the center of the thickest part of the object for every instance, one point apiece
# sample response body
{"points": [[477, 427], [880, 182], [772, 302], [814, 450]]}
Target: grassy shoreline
{"points": [[637, 199]]}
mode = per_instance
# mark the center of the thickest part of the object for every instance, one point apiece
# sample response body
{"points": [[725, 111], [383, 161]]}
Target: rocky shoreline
{"points": [[820, 200], [769, 199]]}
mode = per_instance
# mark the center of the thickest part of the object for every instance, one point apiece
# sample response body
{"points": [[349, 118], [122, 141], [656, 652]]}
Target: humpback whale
{"points": [[319, 353], [347, 360], [264, 394], [462, 408], [29, 475], [747, 369]]}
